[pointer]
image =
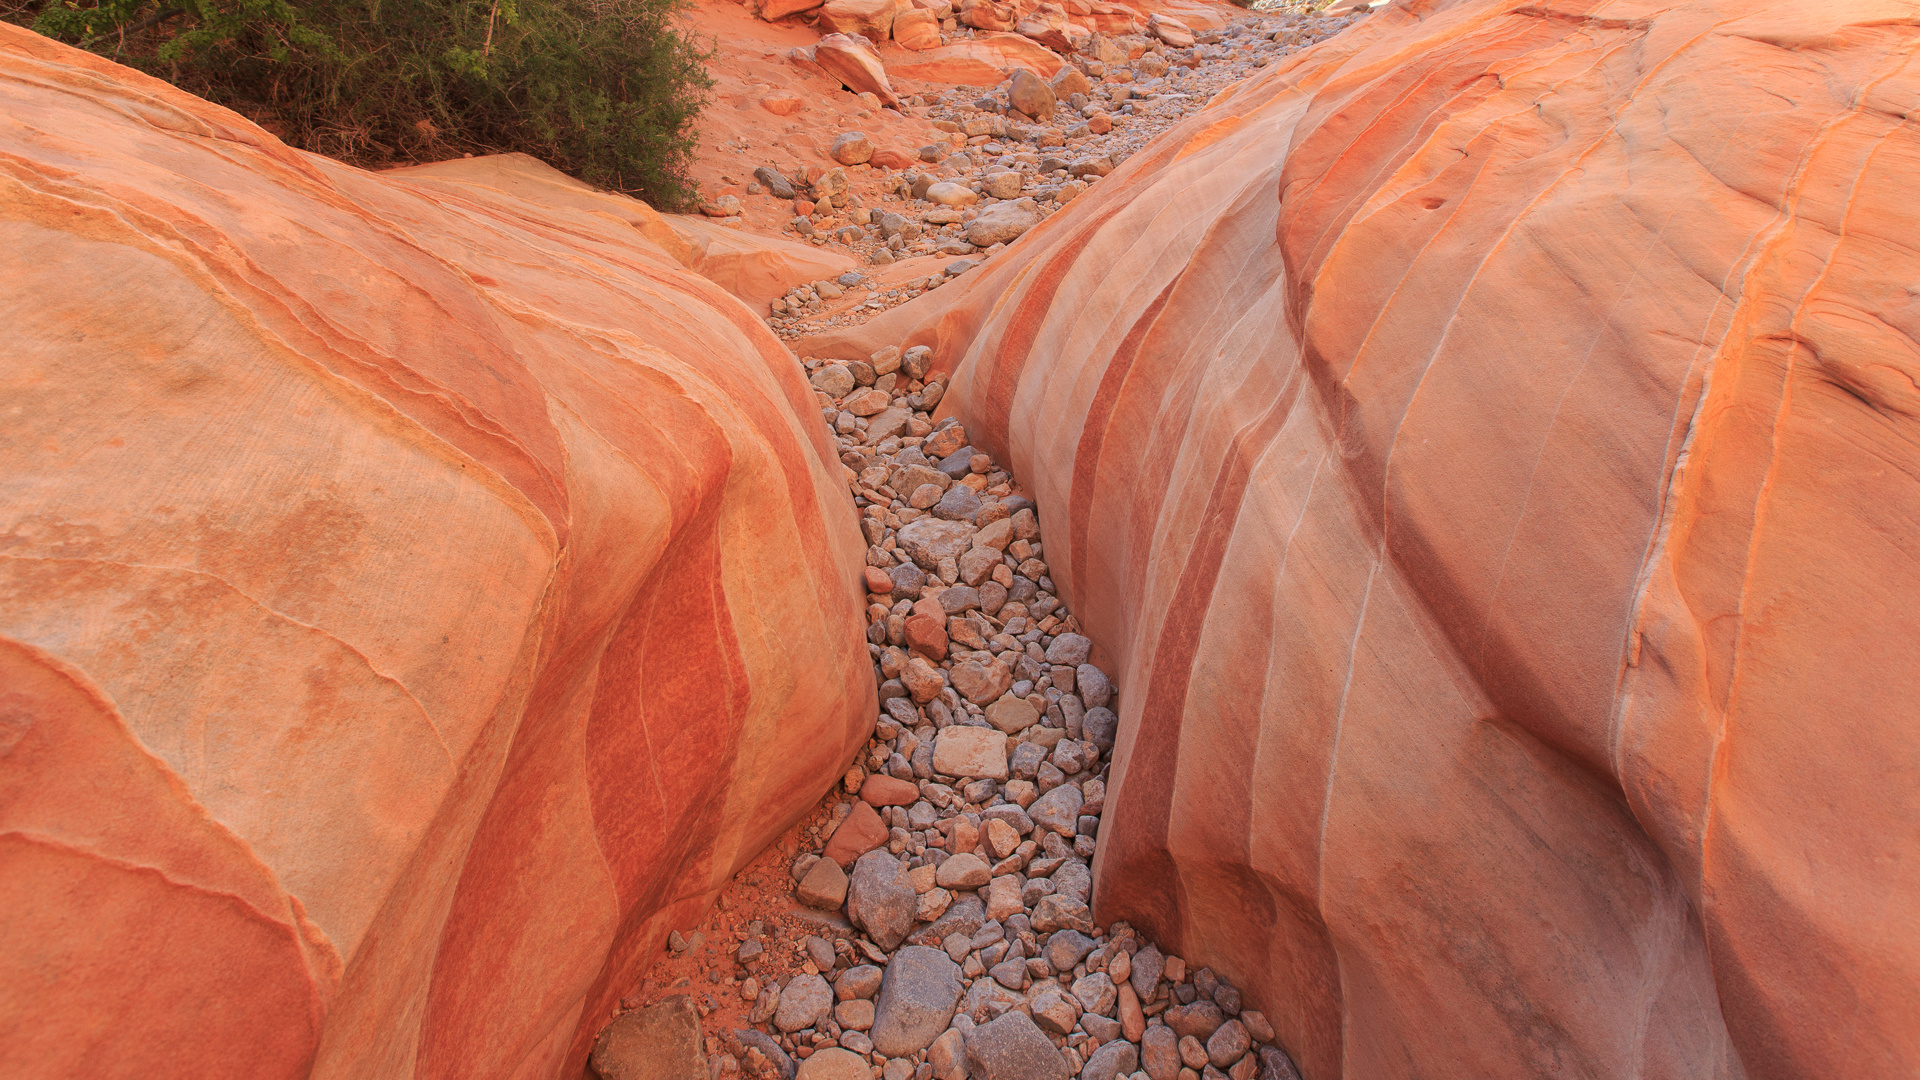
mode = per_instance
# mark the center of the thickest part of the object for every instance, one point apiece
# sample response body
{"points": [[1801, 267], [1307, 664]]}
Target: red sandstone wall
{"points": [[412, 598], [1489, 444]]}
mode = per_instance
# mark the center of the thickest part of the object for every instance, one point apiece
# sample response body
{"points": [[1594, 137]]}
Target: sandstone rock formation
{"points": [[1485, 442], [413, 600]]}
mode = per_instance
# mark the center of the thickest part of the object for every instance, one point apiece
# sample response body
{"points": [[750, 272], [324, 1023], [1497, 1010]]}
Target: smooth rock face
{"points": [[660, 1042], [373, 670], [1528, 412], [917, 999], [852, 59]]}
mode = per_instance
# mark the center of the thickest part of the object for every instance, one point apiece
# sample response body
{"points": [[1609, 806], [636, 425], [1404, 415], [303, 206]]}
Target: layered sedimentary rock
{"points": [[413, 599], [1486, 444]]}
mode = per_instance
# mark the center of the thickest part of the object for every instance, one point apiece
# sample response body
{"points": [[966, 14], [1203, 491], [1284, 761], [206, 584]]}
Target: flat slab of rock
{"points": [[660, 1042], [1013, 1048], [972, 752], [917, 998]]}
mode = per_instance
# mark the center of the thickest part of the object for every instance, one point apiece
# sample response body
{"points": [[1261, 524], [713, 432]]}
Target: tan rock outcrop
{"points": [[851, 59], [985, 60], [1486, 443], [414, 600], [871, 19]]}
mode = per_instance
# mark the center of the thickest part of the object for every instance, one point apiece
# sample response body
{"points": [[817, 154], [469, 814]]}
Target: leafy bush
{"points": [[607, 90]]}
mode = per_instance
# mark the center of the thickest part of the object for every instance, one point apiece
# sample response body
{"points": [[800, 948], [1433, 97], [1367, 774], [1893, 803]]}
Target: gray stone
{"points": [[861, 981], [1075, 880], [917, 999], [1069, 649], [765, 1005], [907, 578], [777, 185], [1054, 1010], [1003, 222], [963, 918], [1059, 912], [753, 1038], [1095, 690], [1003, 183], [1058, 810], [1013, 1048], [803, 1001], [960, 503], [880, 898], [660, 1042], [1067, 948], [1160, 1053], [1104, 1029], [1026, 759], [987, 999], [1096, 993], [1200, 1019], [1115, 1059], [833, 380], [1148, 966], [959, 599], [1011, 814], [1276, 1065], [1099, 727], [959, 463], [1227, 1045], [1227, 998], [927, 540]]}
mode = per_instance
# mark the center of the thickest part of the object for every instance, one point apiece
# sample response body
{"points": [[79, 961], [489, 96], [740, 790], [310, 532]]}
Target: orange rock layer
{"points": [[1489, 444], [413, 598]]}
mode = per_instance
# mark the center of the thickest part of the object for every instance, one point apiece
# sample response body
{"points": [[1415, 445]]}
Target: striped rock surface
{"points": [[413, 599], [1486, 445]]}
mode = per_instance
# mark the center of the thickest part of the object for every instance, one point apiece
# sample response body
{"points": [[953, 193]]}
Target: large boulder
{"points": [[851, 58], [1495, 491], [409, 589], [984, 60]]}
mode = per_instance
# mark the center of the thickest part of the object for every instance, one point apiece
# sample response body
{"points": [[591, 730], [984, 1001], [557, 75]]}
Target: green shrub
{"points": [[607, 90]]}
